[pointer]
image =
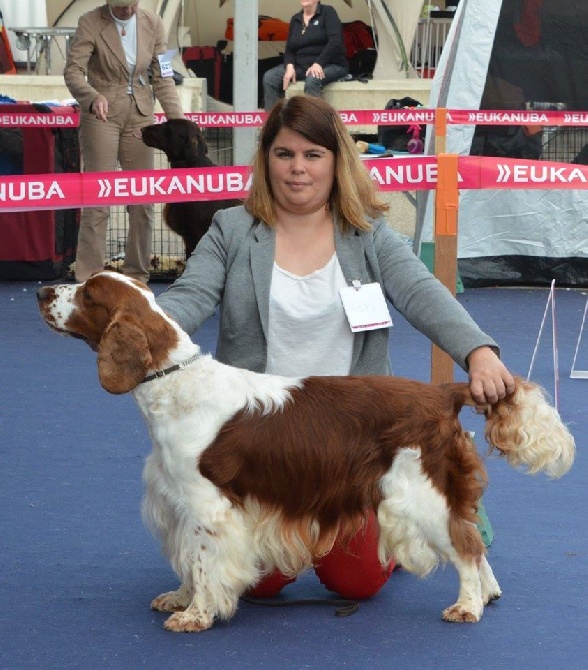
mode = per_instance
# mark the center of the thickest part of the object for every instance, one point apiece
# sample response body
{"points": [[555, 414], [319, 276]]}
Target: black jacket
{"points": [[321, 42]]}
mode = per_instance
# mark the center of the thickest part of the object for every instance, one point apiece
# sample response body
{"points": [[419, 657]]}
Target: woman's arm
{"points": [[423, 300], [428, 306], [82, 47], [196, 294], [334, 31], [289, 53]]}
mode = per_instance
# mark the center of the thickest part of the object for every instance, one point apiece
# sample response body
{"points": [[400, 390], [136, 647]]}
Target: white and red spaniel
{"points": [[251, 472]]}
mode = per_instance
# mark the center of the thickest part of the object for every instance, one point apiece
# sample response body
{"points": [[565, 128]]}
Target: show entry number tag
{"points": [[365, 306], [165, 64]]}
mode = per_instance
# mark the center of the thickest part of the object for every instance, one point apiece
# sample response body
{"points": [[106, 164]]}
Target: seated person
{"points": [[314, 52]]}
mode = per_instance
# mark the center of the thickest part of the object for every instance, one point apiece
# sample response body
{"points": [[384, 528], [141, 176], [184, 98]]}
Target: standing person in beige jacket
{"points": [[115, 49]]}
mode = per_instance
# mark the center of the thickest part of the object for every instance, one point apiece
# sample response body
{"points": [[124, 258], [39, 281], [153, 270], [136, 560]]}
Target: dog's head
{"points": [[117, 317], [181, 141]]}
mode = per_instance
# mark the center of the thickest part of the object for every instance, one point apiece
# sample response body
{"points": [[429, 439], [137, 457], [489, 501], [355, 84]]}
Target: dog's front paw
{"points": [[188, 622], [461, 614], [172, 601]]}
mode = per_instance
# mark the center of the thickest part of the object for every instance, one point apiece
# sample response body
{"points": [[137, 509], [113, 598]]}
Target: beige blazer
{"points": [[96, 63]]}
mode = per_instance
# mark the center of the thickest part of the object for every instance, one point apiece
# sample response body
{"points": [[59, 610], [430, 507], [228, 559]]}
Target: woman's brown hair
{"points": [[353, 196]]}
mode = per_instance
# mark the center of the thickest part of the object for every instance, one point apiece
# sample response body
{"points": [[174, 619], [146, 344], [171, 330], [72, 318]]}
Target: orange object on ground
{"points": [[269, 30]]}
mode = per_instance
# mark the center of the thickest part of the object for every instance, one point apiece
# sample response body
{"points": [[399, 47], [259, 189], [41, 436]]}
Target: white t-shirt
{"points": [[308, 331], [127, 29]]}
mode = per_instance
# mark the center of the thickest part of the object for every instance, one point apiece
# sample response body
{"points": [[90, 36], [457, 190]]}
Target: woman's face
{"points": [[124, 13], [301, 173], [308, 5]]}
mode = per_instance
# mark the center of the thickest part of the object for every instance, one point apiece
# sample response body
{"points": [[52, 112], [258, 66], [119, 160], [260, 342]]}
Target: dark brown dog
{"points": [[184, 145]]}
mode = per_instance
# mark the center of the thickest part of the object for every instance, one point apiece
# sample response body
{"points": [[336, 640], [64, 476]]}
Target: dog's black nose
{"points": [[44, 292]]}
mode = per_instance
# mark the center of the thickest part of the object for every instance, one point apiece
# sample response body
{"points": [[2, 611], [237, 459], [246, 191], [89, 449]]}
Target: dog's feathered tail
{"points": [[527, 430]]}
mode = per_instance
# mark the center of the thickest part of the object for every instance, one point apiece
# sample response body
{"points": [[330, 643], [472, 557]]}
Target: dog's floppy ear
{"points": [[123, 355], [202, 146], [195, 141]]}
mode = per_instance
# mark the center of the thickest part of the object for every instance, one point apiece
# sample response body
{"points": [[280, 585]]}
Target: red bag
{"points": [[357, 36], [205, 62]]}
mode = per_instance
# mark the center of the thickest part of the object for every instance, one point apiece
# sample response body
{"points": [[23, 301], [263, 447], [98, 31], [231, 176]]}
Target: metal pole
{"points": [[245, 76]]}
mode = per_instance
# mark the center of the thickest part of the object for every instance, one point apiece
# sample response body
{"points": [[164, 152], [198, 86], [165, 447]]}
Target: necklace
{"points": [[306, 22], [121, 24]]}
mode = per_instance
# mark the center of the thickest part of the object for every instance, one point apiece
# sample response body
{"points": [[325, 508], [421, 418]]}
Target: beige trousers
{"points": [[103, 146]]}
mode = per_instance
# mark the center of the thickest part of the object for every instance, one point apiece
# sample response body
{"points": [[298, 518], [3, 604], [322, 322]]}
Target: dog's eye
{"points": [[87, 295]]}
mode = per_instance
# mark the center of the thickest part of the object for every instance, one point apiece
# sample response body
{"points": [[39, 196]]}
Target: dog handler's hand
{"points": [[490, 380], [100, 108]]}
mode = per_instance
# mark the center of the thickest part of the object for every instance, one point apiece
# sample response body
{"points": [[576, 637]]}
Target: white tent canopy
{"points": [[204, 22], [505, 237], [395, 22]]}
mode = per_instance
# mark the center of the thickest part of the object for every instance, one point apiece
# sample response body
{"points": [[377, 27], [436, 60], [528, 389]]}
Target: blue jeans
{"points": [[272, 83]]}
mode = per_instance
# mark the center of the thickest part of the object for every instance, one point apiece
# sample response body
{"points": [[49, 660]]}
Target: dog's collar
{"points": [[179, 366]]}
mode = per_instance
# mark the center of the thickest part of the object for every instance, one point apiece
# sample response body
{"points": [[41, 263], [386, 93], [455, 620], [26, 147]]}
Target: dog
{"points": [[182, 141], [251, 472]]}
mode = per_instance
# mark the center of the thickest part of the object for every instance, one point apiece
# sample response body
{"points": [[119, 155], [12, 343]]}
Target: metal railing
{"points": [[429, 41]]}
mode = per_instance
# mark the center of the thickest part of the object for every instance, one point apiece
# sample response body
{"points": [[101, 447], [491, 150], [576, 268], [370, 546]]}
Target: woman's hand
{"points": [[100, 108], [315, 70], [289, 76], [490, 380]]}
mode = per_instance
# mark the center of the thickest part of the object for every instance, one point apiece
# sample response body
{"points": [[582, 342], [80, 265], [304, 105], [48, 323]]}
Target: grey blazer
{"points": [[232, 267]]}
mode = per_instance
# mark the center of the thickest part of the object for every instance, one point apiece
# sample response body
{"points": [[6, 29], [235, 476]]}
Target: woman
{"points": [[311, 225], [314, 52], [114, 51]]}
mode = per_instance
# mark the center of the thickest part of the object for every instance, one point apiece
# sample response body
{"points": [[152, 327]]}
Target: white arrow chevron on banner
{"points": [[105, 188], [504, 172]]}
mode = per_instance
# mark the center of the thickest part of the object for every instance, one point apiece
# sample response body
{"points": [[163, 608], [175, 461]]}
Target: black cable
{"points": [[62, 13], [344, 607]]}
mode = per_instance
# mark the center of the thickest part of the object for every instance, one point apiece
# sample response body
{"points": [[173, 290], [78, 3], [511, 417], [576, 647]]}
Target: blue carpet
{"points": [[78, 570]]}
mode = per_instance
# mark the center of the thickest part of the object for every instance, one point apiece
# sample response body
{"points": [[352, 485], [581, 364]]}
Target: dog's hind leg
{"points": [[415, 519], [469, 605], [419, 529], [476, 581], [490, 587], [413, 516]]}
